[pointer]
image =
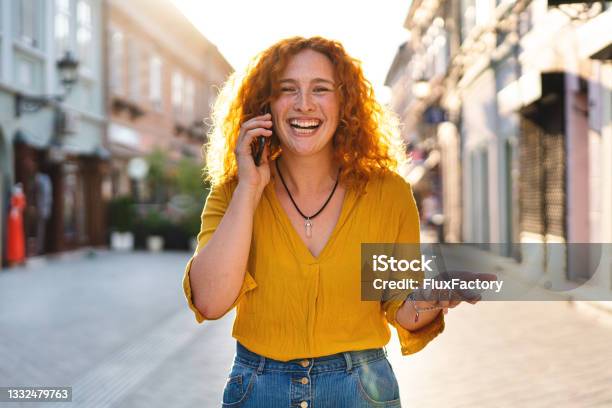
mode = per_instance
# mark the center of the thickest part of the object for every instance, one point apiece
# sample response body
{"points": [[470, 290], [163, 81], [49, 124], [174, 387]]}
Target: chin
{"points": [[300, 148], [306, 145]]}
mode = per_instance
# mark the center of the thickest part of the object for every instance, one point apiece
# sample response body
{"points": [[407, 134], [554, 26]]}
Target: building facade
{"points": [[162, 76], [525, 124], [59, 145]]}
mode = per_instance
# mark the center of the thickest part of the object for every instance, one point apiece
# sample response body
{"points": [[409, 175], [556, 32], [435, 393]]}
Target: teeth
{"points": [[303, 131], [305, 123]]}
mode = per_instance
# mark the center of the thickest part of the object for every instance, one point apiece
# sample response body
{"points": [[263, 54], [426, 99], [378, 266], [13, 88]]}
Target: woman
{"points": [[281, 241]]}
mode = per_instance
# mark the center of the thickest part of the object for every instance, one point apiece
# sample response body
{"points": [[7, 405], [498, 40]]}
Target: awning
{"points": [[604, 54], [124, 136], [528, 89], [26, 137], [595, 37]]}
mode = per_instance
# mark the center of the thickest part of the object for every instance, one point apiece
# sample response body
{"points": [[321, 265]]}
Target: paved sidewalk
{"points": [[116, 329], [511, 354]]}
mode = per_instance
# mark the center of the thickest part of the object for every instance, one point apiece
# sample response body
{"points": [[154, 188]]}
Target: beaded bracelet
{"points": [[418, 310]]}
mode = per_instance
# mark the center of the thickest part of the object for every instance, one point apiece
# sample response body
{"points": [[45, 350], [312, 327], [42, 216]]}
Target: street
{"points": [[116, 328]]}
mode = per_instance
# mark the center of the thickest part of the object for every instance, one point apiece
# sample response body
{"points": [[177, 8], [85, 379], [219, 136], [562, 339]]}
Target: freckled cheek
{"points": [[280, 106], [331, 108]]}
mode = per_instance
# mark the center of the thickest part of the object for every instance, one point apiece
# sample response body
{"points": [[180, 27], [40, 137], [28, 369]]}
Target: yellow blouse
{"points": [[293, 305]]}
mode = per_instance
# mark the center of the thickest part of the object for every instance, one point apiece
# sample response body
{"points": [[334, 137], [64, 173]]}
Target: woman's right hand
{"points": [[252, 177]]}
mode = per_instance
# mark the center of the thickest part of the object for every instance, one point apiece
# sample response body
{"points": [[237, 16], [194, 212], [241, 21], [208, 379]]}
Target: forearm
{"points": [[217, 271], [406, 315]]}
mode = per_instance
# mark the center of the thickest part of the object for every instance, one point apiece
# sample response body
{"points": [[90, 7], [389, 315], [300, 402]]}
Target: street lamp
{"points": [[67, 67]]}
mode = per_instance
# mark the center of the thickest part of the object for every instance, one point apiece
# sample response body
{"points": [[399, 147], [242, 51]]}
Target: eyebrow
{"points": [[313, 80]]}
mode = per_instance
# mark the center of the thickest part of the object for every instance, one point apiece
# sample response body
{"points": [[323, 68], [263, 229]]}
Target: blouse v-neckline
{"points": [[283, 217]]}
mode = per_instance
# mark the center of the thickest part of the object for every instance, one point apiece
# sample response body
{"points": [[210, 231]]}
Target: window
{"points": [[62, 26], [25, 74], [75, 210], [155, 82], [188, 103], [177, 92], [84, 33], [116, 42], [134, 70], [28, 22]]}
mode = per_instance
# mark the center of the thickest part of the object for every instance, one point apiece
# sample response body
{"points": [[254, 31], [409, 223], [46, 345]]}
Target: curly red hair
{"points": [[366, 140]]}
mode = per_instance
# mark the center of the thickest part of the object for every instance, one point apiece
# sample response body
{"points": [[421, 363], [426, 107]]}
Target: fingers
{"points": [[469, 276], [257, 126], [253, 124], [244, 146], [487, 276], [263, 121], [265, 116]]}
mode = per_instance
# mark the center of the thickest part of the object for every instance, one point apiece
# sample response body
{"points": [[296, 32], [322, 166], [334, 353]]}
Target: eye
{"points": [[287, 89], [321, 89]]}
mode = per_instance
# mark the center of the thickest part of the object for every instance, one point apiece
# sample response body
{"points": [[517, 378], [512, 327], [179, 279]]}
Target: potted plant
{"points": [[155, 226], [121, 216]]}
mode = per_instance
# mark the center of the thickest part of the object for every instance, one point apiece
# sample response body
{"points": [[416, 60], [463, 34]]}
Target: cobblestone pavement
{"points": [[511, 354], [115, 327]]}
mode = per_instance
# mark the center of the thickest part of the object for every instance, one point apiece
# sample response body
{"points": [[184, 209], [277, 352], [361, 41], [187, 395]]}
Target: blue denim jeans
{"points": [[345, 380]]}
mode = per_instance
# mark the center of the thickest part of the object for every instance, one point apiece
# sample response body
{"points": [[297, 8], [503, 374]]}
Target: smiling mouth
{"points": [[305, 126]]}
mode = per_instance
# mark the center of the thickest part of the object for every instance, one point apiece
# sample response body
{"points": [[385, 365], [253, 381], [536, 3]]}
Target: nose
{"points": [[303, 103]]}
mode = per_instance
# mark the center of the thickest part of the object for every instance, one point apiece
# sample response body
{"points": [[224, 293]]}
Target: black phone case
{"points": [[261, 142], [259, 149]]}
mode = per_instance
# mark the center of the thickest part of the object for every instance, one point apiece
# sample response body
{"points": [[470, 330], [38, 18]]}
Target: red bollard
{"points": [[15, 231]]}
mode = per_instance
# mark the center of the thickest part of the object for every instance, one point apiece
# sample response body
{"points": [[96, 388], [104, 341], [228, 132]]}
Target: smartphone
{"points": [[260, 143], [258, 149]]}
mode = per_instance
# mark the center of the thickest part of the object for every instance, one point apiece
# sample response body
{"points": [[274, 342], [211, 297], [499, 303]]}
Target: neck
{"points": [[308, 175]]}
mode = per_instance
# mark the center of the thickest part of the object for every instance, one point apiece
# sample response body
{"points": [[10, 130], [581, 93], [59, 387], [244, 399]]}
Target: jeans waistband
{"points": [[333, 362]]}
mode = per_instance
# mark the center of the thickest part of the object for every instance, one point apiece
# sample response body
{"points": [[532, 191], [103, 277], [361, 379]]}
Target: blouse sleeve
{"points": [[408, 232], [214, 209]]}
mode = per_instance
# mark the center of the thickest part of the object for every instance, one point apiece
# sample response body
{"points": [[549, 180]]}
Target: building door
{"points": [[542, 170], [542, 182], [74, 207]]}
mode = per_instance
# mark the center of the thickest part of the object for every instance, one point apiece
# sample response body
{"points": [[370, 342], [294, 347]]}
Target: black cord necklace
{"points": [[307, 219]]}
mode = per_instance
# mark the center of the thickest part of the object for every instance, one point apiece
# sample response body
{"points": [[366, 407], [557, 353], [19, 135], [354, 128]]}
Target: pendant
{"points": [[308, 227]]}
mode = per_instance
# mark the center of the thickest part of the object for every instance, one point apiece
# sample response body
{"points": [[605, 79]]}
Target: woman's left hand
{"points": [[449, 298]]}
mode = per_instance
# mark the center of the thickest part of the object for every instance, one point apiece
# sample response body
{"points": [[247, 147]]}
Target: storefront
{"points": [[64, 198], [542, 164], [60, 164]]}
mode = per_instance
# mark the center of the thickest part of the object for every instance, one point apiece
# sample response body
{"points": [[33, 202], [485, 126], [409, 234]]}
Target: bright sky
{"points": [[370, 31]]}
